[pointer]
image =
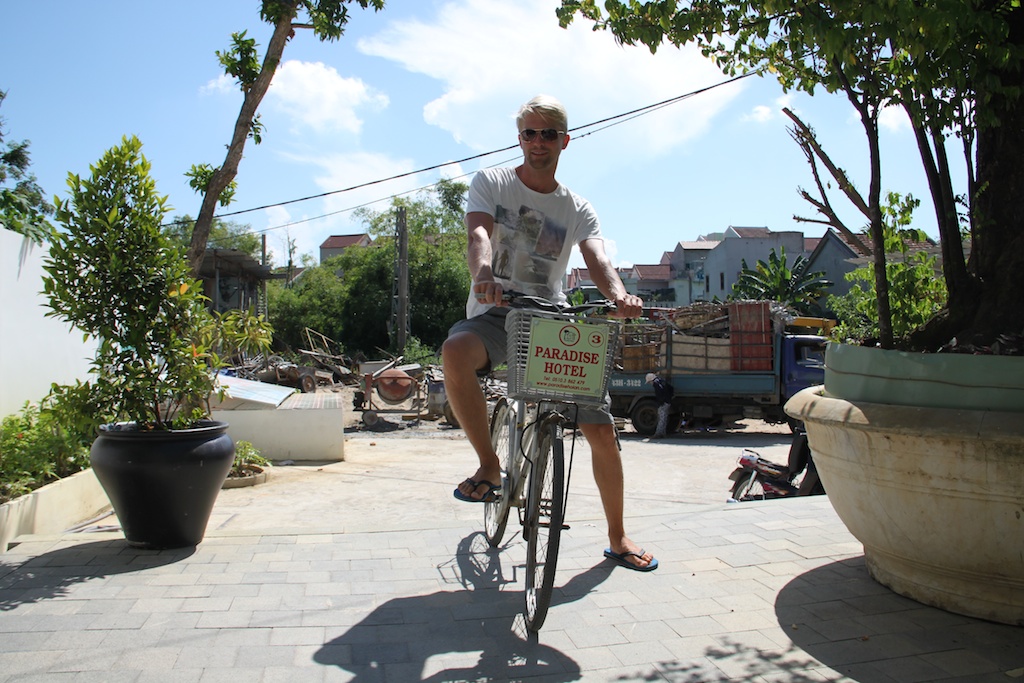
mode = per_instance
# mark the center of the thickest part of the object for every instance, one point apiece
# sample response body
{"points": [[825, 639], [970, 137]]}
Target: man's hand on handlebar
{"points": [[628, 306], [489, 292]]}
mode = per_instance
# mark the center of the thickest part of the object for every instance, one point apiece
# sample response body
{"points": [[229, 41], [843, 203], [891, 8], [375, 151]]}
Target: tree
{"points": [[917, 294], [315, 300], [796, 287], [349, 298], [223, 235], [327, 18], [438, 275], [23, 208], [953, 65]]}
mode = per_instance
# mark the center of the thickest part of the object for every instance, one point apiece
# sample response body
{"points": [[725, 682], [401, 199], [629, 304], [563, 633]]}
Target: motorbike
{"points": [[758, 478]]}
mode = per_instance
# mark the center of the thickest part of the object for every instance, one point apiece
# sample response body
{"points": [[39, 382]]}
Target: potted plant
{"points": [[114, 275], [249, 467]]}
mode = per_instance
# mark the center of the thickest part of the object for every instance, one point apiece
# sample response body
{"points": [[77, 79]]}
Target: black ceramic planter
{"points": [[162, 485]]}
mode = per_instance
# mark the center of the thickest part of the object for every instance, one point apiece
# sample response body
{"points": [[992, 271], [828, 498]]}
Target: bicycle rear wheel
{"points": [[545, 514], [496, 513]]}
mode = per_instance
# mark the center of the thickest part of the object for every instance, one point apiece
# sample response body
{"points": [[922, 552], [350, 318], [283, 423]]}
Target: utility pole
{"points": [[401, 282]]}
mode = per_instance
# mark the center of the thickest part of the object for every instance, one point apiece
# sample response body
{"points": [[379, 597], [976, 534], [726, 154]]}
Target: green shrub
{"points": [[36, 450], [246, 454]]}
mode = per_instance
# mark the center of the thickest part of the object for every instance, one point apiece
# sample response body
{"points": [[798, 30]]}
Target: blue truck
{"points": [[742, 364]]}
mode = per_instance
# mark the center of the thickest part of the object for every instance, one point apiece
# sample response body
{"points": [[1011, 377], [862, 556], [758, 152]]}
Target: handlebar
{"points": [[519, 300], [598, 307]]}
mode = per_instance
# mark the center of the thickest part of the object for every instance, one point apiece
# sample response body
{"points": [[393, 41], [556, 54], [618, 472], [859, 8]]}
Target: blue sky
{"points": [[422, 83]]}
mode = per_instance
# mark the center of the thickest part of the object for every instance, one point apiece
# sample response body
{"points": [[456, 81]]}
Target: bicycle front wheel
{"points": [[502, 429], [545, 514]]}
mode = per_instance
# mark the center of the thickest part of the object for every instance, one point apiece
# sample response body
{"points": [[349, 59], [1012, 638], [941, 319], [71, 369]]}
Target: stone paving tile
{"points": [[761, 593]]}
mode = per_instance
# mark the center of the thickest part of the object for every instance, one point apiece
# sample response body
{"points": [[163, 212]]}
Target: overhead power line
{"points": [[597, 126]]}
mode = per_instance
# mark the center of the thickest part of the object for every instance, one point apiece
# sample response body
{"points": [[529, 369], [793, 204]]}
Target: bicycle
{"points": [[527, 431]]}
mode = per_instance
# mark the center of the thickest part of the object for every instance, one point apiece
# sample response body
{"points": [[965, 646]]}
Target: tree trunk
{"points": [[997, 257], [243, 126]]}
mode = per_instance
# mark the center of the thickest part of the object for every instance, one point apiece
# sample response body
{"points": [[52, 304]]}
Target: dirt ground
{"points": [[396, 421]]}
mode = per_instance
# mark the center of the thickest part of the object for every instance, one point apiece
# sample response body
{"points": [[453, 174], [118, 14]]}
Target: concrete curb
{"points": [[52, 508]]}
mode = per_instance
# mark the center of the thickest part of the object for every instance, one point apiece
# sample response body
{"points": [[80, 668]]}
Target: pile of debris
{"points": [[323, 369]]}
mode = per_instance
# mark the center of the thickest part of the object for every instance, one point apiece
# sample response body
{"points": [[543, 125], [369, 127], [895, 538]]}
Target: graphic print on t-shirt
{"points": [[527, 246]]}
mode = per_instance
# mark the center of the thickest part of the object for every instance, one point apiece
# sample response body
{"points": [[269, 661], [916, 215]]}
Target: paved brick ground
{"points": [[773, 591]]}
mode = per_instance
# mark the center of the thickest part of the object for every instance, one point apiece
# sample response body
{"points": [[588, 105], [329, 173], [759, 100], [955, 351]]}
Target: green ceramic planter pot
{"points": [[933, 380], [935, 494]]}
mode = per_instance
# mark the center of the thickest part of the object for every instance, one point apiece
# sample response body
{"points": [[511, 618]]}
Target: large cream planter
{"points": [[935, 494]]}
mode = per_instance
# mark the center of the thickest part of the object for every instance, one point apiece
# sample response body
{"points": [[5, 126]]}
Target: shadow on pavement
{"points": [[51, 574], [829, 612], [449, 628]]}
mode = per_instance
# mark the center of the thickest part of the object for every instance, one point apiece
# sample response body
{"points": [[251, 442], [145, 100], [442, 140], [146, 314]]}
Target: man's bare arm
{"points": [[479, 226]]}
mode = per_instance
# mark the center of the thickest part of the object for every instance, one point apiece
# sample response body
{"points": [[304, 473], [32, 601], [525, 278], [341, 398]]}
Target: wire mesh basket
{"points": [[555, 356]]}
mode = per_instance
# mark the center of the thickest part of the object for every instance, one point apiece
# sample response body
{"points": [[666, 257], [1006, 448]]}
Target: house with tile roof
{"points": [[706, 268], [724, 263], [335, 245]]}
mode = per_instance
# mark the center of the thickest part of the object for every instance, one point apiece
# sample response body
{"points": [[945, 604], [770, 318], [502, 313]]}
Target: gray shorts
{"points": [[489, 328]]}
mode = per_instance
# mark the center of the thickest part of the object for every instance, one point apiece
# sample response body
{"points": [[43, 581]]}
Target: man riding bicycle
{"points": [[522, 224]]}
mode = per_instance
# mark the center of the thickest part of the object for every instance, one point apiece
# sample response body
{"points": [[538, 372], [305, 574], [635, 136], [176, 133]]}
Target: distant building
{"points": [[335, 245], [836, 256], [707, 268], [725, 262]]}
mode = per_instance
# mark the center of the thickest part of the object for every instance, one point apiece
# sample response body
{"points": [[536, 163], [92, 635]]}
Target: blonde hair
{"points": [[546, 106]]}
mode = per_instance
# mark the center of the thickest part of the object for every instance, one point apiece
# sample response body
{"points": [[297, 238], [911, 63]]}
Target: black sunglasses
{"points": [[547, 135]]}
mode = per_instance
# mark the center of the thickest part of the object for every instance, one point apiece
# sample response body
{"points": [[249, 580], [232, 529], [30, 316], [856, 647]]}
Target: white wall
{"points": [[35, 351]]}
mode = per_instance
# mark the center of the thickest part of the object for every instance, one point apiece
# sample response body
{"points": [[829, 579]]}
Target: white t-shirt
{"points": [[533, 233]]}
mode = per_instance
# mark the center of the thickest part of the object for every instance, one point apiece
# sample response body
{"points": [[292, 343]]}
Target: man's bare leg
{"points": [[463, 354], [607, 464]]}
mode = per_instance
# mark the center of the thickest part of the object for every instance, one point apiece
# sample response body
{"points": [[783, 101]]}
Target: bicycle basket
{"points": [[555, 356]]}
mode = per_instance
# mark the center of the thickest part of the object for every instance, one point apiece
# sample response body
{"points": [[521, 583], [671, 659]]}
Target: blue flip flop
{"points": [[621, 559], [490, 495]]}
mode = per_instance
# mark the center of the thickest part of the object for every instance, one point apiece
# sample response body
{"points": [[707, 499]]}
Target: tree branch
{"points": [[223, 176], [805, 139]]}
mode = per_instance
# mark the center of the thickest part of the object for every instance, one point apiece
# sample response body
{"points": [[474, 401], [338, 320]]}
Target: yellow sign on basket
{"points": [[566, 356]]}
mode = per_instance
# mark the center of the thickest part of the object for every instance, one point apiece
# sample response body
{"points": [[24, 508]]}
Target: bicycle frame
{"points": [[563, 350]]}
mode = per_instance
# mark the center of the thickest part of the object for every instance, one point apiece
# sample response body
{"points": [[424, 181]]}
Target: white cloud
{"points": [[277, 215], [763, 113], [760, 114], [333, 215], [316, 96], [492, 55], [894, 119], [221, 85]]}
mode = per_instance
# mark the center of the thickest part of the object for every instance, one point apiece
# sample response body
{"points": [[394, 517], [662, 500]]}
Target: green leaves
{"points": [[916, 292], [797, 288], [241, 60], [113, 274], [23, 208]]}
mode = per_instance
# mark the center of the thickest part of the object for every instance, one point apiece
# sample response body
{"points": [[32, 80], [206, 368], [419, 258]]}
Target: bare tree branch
{"points": [[804, 136]]}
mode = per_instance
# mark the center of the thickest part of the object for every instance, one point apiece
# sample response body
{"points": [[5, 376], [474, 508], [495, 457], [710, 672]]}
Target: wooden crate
{"points": [[640, 357], [699, 354], [750, 331]]}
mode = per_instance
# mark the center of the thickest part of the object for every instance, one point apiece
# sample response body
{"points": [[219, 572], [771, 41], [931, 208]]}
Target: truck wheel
{"points": [[645, 416]]}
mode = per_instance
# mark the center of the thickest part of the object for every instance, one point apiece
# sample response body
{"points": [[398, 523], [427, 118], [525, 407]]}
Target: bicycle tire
{"points": [[496, 513], [545, 514]]}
